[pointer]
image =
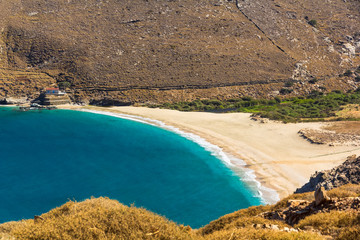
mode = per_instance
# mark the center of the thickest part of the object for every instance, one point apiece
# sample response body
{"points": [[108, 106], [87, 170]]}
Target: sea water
{"points": [[50, 157]]}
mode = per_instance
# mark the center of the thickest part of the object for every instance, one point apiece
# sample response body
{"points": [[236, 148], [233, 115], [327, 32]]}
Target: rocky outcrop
{"points": [[330, 138], [15, 101], [274, 227], [298, 210], [320, 196], [348, 172]]}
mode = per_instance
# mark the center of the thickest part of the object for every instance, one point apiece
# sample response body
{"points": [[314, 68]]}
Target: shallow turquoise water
{"points": [[49, 157]]}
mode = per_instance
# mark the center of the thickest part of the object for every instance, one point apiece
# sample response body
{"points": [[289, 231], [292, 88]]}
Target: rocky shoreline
{"points": [[348, 172]]}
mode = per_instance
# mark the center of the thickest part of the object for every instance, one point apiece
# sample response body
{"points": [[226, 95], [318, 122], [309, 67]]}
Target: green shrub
{"points": [[246, 98], [315, 106], [64, 85], [348, 73], [315, 94], [284, 91], [215, 102], [313, 81], [289, 84], [313, 23]]}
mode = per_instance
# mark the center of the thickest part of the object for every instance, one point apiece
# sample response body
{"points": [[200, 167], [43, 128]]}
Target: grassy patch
{"points": [[315, 107], [99, 218], [263, 234], [330, 222]]}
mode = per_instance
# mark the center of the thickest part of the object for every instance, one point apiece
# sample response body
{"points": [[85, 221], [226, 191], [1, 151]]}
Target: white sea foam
{"points": [[238, 166]]}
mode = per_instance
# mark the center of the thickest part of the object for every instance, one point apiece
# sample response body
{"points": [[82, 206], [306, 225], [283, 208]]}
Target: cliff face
{"points": [[140, 50]]}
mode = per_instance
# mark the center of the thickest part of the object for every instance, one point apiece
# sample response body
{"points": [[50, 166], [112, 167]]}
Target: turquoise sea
{"points": [[50, 157]]}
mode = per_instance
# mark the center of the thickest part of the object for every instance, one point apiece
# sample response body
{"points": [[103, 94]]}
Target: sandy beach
{"points": [[280, 158]]}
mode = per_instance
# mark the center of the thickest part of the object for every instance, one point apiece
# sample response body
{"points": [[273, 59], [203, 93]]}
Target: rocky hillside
{"points": [[169, 50], [348, 172]]}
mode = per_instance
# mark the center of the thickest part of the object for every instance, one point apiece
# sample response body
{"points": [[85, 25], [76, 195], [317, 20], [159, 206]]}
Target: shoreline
{"points": [[279, 158], [247, 176]]}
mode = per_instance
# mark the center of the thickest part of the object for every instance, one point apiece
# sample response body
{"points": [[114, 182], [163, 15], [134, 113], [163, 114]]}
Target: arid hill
{"points": [[109, 51]]}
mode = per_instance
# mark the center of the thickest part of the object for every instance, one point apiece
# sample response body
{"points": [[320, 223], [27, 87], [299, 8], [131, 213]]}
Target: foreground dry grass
{"points": [[338, 224], [99, 218], [102, 218]]}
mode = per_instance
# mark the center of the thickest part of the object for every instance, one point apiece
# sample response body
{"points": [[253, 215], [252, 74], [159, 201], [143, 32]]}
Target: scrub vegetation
{"points": [[315, 107]]}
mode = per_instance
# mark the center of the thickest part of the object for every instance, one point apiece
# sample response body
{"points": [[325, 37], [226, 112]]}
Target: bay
{"points": [[50, 157]]}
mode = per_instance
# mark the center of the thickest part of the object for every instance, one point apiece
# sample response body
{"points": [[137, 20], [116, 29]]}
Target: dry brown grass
{"points": [[343, 224], [348, 127], [263, 234], [99, 218], [103, 218], [309, 196], [350, 233], [349, 190], [239, 225], [104, 47], [331, 222], [349, 111], [233, 219], [21, 83]]}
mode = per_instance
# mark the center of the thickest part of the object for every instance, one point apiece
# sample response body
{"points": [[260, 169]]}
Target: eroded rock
{"points": [[292, 215], [330, 138], [320, 196], [348, 172]]}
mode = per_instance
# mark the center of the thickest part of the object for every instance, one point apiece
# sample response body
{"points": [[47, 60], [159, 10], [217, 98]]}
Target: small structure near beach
{"points": [[54, 96], [54, 91]]}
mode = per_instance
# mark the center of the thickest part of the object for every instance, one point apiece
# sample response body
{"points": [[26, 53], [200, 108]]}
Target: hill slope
{"points": [[129, 50]]}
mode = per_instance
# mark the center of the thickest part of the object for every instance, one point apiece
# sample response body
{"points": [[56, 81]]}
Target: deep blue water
{"points": [[49, 157]]}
